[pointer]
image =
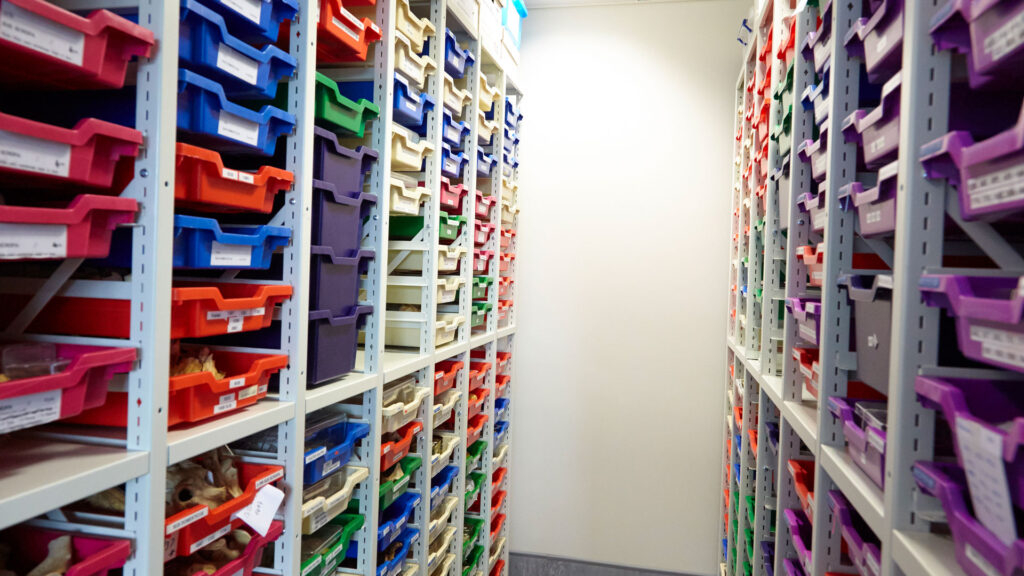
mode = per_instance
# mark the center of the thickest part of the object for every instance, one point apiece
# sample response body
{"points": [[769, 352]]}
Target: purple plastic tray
{"points": [[878, 40], [768, 556], [871, 298], [338, 165], [864, 441], [815, 206], [865, 554], [877, 131], [332, 344], [997, 405], [816, 152], [988, 31], [792, 567], [334, 279], [807, 314], [818, 44], [875, 206], [816, 97], [338, 217], [979, 551], [988, 175], [800, 531], [989, 311]]}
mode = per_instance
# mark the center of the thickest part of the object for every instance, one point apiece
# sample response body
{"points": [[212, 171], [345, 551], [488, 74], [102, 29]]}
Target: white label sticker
{"points": [[179, 524], [33, 241], [1001, 186], [877, 145], [1007, 39], [237, 175], [263, 388], [873, 216], [312, 566], [232, 62], [224, 407], [170, 547], [31, 154], [260, 513], [29, 410], [277, 475], [200, 544], [41, 34], [251, 9], [319, 519], [331, 466], [1000, 345], [873, 566], [231, 126], [345, 28], [236, 382], [248, 392], [239, 255], [319, 453], [982, 453]]}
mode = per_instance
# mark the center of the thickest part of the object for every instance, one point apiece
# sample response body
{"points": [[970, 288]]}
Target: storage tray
{"points": [[401, 405], [802, 472], [439, 549], [871, 298], [441, 484], [452, 196], [478, 372], [212, 309], [782, 133], [503, 359], [56, 48], [455, 99], [456, 59], [485, 129], [344, 112], [496, 525], [445, 567], [501, 382], [800, 531], [488, 96], [982, 31], [454, 131], [210, 118], [256, 24], [992, 407], [452, 163], [816, 97], [332, 344], [338, 217], [875, 206], [877, 131], [330, 447], [194, 528], [333, 496], [407, 195], [446, 327], [394, 567], [410, 64], [475, 428], [807, 314], [394, 450], [417, 30], [878, 40], [206, 45], [507, 236], [476, 401], [816, 152], [482, 232], [329, 546], [864, 429], [341, 166], [500, 405], [861, 545], [203, 183], [395, 518], [485, 163], [474, 455], [499, 568], [410, 106], [90, 555], [441, 515], [444, 406], [818, 45], [390, 491], [989, 312], [475, 527], [481, 287], [94, 153], [500, 429], [81, 230], [471, 560], [252, 556], [445, 375], [334, 279], [343, 37], [449, 442], [408, 150], [479, 314], [816, 206], [768, 556], [201, 243], [482, 260]]}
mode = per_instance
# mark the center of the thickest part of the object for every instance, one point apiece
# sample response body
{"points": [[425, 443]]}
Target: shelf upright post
{"points": [[368, 491], [772, 237], [764, 500], [920, 218], [152, 242], [487, 463], [748, 469], [510, 344], [786, 497], [752, 333], [458, 488], [432, 177]]}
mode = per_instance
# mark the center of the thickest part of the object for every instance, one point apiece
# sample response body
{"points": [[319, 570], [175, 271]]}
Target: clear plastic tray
{"points": [[449, 442], [326, 499], [441, 515]]}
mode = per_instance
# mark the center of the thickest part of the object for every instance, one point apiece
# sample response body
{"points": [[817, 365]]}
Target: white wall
{"points": [[622, 269]]}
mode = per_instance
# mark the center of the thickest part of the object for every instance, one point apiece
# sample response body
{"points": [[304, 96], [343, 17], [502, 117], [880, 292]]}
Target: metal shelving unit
{"points": [[48, 467]]}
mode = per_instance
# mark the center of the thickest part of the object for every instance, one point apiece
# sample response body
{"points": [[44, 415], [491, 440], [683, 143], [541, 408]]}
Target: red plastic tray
{"points": [[341, 37], [252, 556], [803, 479], [94, 153], [191, 530], [445, 375], [52, 47], [499, 568], [497, 499], [504, 306], [507, 235], [451, 196], [478, 374], [498, 478], [392, 452], [477, 406], [91, 555], [482, 232], [81, 230], [475, 428], [503, 360], [814, 258], [199, 310], [496, 525], [500, 383], [196, 397], [506, 262], [505, 287], [484, 206], [82, 385], [481, 261], [202, 182]]}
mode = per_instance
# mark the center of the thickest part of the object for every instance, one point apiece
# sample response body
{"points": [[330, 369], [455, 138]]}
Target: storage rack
{"points": [[766, 400], [48, 467]]}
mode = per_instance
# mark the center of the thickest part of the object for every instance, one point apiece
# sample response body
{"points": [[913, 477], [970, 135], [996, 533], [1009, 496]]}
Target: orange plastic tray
{"points": [[445, 374], [496, 525], [341, 36], [199, 310], [202, 182], [753, 440], [498, 477], [478, 374], [803, 479], [392, 452], [477, 406], [500, 383], [475, 428]]}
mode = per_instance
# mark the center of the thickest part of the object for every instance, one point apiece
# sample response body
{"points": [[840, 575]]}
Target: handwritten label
{"points": [[982, 452], [251, 9], [29, 410], [232, 62], [41, 34], [234, 255], [170, 547], [31, 154], [260, 513], [235, 128]]}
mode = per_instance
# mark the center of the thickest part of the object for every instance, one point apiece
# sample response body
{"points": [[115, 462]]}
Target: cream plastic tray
{"points": [[416, 29], [401, 404], [439, 547], [403, 328], [412, 261], [496, 550], [408, 63], [407, 195], [440, 517], [408, 149], [447, 289], [318, 511], [444, 406], [509, 188], [508, 211], [446, 327], [408, 570], [449, 442], [444, 567], [455, 99], [499, 457], [485, 128], [488, 96]]}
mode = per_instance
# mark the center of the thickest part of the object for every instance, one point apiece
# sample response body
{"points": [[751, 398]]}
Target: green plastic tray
{"points": [[478, 318], [389, 491], [478, 481], [480, 286], [449, 226], [475, 453], [786, 86], [337, 113], [335, 552], [404, 227], [474, 525], [472, 560], [781, 133], [748, 537]]}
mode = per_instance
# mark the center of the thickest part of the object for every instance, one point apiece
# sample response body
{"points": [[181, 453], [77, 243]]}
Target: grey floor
{"points": [[526, 565]]}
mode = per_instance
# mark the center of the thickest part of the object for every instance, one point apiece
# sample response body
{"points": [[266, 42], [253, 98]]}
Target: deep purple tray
{"points": [[864, 441], [800, 531], [816, 152], [865, 554], [818, 44], [792, 567], [989, 175], [333, 341], [985, 31], [768, 556], [948, 483], [878, 40], [338, 165], [989, 403], [875, 206], [877, 131], [338, 217], [807, 314], [989, 311], [334, 279], [871, 299], [816, 207]]}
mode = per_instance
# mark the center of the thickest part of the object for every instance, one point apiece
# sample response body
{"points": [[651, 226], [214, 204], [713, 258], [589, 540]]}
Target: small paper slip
{"points": [[982, 453], [261, 512]]}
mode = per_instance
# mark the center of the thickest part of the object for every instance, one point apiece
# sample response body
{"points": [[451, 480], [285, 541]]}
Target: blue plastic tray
{"points": [[453, 131], [500, 405], [484, 164], [256, 21], [333, 341], [321, 463], [206, 113], [512, 116], [510, 141], [456, 60], [500, 428], [452, 163], [206, 45], [338, 217], [395, 518], [411, 107], [440, 485], [393, 568], [202, 243], [334, 278]]}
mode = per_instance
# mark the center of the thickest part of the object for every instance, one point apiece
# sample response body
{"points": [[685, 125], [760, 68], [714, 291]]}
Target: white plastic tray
{"points": [[496, 548], [408, 149], [508, 211], [455, 99], [401, 404], [444, 405], [447, 259], [439, 548], [449, 442], [446, 327], [488, 96], [485, 128], [410, 64], [447, 289], [320, 510], [404, 328], [407, 195], [499, 457], [439, 518], [444, 567], [416, 29]]}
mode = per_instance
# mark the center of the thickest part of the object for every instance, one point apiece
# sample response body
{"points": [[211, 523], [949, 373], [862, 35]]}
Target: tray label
{"points": [[35, 32], [248, 392], [29, 410], [999, 345], [348, 30], [980, 561], [982, 452], [234, 255], [319, 519], [234, 63], [319, 452], [179, 524], [231, 126], [1006, 39], [32, 154], [238, 175], [251, 9], [200, 544], [227, 402], [1001, 186], [33, 241]]}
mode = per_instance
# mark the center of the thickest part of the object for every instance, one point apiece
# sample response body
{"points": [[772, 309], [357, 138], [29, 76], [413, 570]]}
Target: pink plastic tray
{"points": [[82, 230]]}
